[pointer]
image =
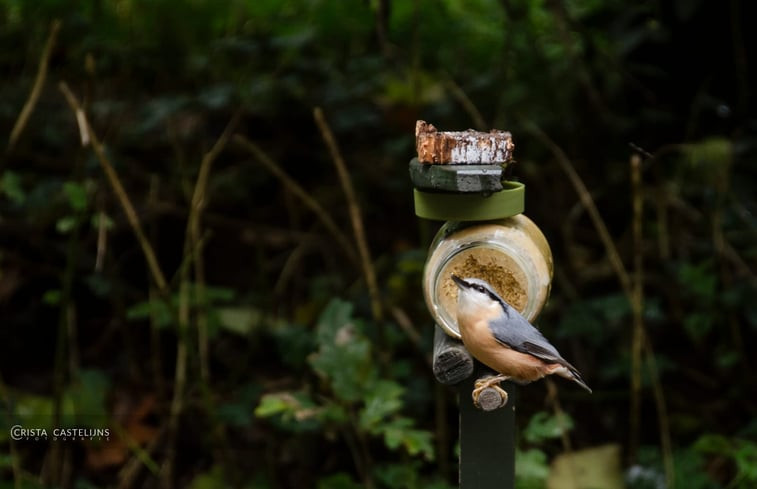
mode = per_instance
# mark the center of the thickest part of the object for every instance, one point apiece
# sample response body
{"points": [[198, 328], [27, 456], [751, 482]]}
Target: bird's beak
{"points": [[460, 282]]}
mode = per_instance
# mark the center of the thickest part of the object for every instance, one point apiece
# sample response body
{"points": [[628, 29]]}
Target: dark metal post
{"points": [[487, 439], [487, 433]]}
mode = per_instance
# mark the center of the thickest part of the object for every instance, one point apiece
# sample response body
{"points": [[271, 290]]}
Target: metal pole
{"points": [[487, 433], [487, 439]]}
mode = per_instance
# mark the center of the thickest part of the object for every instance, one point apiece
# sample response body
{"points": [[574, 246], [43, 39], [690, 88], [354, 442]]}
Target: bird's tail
{"points": [[575, 376], [568, 371]]}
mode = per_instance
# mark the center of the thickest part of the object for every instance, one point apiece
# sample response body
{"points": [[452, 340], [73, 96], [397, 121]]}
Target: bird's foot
{"points": [[494, 395]]}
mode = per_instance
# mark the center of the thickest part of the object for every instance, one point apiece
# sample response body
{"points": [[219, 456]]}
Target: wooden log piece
{"points": [[451, 361], [462, 147], [484, 179], [490, 399]]}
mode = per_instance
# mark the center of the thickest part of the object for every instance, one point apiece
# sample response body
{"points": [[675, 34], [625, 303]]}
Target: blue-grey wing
{"points": [[517, 333]]}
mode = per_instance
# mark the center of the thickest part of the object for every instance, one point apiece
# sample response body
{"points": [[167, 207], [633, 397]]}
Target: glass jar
{"points": [[511, 254]]}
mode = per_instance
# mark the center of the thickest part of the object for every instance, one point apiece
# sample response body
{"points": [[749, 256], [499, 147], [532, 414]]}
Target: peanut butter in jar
{"points": [[511, 254]]}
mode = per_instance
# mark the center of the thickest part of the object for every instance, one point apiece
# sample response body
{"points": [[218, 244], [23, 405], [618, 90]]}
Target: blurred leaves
{"points": [[531, 468], [343, 357], [743, 453], [544, 426], [83, 404], [288, 366], [345, 362], [11, 186]]}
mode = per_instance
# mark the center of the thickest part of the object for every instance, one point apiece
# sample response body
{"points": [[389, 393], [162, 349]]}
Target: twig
{"points": [[666, 443], [39, 83], [102, 240], [554, 399], [153, 296], [141, 458], [180, 380], [300, 193], [115, 182], [193, 244], [354, 210], [588, 203], [199, 202], [637, 306], [407, 327], [465, 102], [290, 265], [625, 283]]}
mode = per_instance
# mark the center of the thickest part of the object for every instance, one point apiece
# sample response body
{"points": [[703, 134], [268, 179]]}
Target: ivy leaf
{"points": [[76, 194], [399, 433], [11, 186], [66, 224], [344, 354], [531, 468], [295, 410], [382, 401], [544, 426], [156, 309], [87, 396]]}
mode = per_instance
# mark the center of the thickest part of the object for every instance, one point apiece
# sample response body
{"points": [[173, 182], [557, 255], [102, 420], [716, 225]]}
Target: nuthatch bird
{"points": [[500, 338]]}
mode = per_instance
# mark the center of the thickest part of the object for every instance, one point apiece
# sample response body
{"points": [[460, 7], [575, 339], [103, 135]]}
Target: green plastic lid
{"points": [[446, 206]]}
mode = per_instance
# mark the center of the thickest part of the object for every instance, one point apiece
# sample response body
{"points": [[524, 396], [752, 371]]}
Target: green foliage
{"points": [[345, 363], [590, 318], [531, 464], [87, 395], [276, 365], [531, 468], [338, 481], [235, 412], [165, 312], [743, 453], [544, 426], [343, 357], [82, 405], [11, 186]]}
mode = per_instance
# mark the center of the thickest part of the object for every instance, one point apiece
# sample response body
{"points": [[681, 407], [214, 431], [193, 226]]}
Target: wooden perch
{"points": [[451, 363], [490, 399], [462, 147]]}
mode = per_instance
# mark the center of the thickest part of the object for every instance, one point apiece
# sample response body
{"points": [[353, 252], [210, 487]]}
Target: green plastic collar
{"points": [[441, 206]]}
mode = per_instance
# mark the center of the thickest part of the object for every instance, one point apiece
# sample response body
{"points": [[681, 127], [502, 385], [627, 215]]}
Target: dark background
{"points": [[287, 374]]}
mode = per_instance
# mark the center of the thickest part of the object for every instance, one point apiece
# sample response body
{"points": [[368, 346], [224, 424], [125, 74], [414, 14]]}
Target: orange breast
{"points": [[520, 366]]}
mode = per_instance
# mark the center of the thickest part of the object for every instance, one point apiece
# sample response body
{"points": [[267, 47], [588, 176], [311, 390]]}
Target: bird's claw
{"points": [[489, 382]]}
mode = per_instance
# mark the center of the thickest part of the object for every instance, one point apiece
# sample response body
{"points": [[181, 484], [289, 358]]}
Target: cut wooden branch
{"points": [[490, 399], [354, 209], [462, 147], [451, 361], [89, 137], [39, 83]]}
